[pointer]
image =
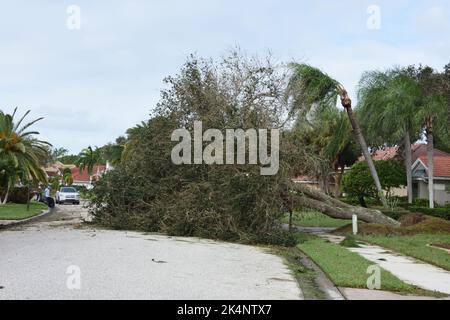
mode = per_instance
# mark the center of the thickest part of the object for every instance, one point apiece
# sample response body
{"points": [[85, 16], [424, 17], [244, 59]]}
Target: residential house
{"points": [[441, 171], [82, 177], [441, 161]]}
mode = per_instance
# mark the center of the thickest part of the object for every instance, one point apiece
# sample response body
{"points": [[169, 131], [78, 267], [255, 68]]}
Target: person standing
{"points": [[48, 198]]}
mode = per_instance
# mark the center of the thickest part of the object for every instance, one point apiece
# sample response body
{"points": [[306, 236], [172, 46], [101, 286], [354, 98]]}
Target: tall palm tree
{"points": [[311, 90], [388, 103], [433, 113], [20, 149], [88, 158]]}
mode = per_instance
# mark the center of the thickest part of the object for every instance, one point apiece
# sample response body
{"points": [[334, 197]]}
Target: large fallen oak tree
{"points": [[302, 196]]}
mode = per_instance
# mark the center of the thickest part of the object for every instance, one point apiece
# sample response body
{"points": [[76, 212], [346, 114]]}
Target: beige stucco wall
{"points": [[399, 192]]}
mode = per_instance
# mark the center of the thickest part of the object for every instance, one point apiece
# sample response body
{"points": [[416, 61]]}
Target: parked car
{"points": [[67, 194]]}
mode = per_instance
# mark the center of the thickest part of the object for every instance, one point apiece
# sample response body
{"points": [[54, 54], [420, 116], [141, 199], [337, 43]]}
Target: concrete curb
{"points": [[12, 223], [324, 283]]}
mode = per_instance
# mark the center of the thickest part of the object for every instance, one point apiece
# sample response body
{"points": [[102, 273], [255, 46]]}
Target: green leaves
{"points": [[88, 158], [20, 151], [388, 103], [357, 182], [309, 88]]}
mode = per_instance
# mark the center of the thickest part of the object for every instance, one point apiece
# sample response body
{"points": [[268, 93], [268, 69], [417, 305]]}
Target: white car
{"points": [[67, 194]]}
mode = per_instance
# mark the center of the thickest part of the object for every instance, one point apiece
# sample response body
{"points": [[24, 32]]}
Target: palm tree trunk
{"points": [[310, 198], [430, 148], [347, 104], [408, 166]]}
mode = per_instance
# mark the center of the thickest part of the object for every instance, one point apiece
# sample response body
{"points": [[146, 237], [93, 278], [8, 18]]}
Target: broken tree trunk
{"points": [[307, 197]]}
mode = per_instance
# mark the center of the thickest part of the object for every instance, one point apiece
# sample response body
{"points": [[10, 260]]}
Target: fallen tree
{"points": [[148, 191], [306, 197]]}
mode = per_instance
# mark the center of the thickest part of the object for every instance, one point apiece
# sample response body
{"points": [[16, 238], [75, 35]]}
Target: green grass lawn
{"points": [[314, 219], [416, 246], [14, 211], [348, 269]]}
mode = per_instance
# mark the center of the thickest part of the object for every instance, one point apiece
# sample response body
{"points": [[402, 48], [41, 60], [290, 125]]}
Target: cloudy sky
{"points": [[92, 83]]}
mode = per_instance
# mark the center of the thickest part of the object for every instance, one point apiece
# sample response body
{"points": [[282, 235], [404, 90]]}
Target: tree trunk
{"points": [[408, 167], [430, 148], [347, 104], [334, 208], [5, 200]]}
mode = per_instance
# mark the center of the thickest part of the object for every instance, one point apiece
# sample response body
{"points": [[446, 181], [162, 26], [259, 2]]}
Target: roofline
{"points": [[416, 163]]}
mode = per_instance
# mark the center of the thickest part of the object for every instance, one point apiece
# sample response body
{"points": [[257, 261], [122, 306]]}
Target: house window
{"points": [[447, 187]]}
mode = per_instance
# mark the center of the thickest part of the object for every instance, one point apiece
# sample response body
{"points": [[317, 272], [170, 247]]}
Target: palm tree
{"points": [[311, 90], [134, 136], [20, 150], [329, 134], [112, 153], [67, 177], [88, 158], [433, 113], [388, 103]]}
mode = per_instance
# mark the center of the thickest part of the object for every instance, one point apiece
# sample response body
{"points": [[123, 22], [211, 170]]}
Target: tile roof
{"points": [[441, 165], [441, 159], [83, 176]]}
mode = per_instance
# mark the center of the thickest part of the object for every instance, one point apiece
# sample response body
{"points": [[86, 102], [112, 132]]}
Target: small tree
{"points": [[358, 181]]}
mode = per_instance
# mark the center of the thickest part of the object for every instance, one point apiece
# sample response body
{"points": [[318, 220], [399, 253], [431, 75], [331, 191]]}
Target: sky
{"points": [[93, 80]]}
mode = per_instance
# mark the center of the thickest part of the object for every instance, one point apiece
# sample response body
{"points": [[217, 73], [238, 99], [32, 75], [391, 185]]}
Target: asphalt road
{"points": [[60, 258]]}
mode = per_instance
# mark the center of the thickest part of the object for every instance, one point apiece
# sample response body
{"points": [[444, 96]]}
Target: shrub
{"points": [[358, 182]]}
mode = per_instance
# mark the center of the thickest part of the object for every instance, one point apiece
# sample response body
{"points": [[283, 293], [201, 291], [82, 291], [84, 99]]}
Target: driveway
{"points": [[60, 258]]}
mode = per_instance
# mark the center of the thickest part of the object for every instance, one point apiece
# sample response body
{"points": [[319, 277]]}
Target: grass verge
{"points": [[348, 269], [306, 278], [314, 219], [417, 246], [15, 211]]}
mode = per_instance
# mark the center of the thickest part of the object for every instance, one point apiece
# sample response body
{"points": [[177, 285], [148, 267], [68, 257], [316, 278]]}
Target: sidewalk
{"points": [[407, 269]]}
